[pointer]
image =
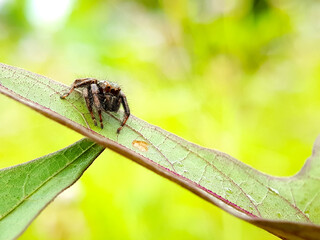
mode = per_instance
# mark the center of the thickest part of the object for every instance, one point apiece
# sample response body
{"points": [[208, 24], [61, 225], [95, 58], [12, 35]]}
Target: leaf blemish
{"points": [[140, 145]]}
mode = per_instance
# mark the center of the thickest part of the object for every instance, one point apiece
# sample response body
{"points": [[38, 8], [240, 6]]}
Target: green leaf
{"points": [[286, 207], [28, 188]]}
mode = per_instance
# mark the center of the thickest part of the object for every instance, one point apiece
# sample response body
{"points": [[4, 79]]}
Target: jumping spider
{"points": [[103, 95]]}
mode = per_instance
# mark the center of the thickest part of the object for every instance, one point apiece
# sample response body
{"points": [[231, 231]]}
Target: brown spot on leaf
{"points": [[140, 145]]}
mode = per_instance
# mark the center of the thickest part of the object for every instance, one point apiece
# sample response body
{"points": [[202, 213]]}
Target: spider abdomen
{"points": [[111, 103]]}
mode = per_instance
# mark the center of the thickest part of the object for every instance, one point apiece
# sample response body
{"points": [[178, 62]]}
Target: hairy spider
{"points": [[103, 95]]}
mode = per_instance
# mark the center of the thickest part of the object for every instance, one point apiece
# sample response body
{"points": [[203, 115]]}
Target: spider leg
{"points": [[84, 81], [81, 82], [68, 93], [88, 97], [96, 101], [126, 111]]}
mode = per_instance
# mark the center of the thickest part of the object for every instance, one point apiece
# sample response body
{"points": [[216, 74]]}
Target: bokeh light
{"points": [[48, 13]]}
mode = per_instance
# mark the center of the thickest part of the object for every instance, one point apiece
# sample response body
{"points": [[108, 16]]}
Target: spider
{"points": [[103, 95]]}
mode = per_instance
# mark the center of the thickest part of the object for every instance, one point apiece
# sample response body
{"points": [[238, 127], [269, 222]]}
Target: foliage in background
{"points": [[258, 60]]}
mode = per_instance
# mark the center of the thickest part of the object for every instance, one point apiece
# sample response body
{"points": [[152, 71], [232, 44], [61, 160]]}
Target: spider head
{"points": [[110, 87]]}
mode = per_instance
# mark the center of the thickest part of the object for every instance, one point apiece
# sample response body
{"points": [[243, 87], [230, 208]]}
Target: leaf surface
{"points": [[27, 188], [287, 207]]}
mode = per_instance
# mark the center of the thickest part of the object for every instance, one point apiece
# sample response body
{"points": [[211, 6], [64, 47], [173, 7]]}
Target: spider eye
{"points": [[107, 89]]}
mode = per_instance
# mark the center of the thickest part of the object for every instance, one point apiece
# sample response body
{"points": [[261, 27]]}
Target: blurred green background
{"points": [[238, 76]]}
